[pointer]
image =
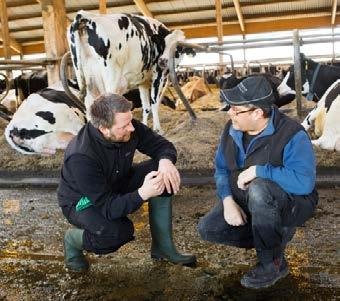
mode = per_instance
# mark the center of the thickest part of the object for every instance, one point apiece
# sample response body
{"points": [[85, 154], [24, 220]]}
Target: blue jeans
{"points": [[272, 217]]}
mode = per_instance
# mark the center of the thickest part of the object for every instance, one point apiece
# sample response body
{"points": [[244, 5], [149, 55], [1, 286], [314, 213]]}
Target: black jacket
{"points": [[96, 168]]}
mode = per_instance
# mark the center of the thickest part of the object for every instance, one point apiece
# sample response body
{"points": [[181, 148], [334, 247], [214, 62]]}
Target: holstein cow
{"points": [[45, 121], [26, 83], [326, 117], [320, 77], [118, 52]]}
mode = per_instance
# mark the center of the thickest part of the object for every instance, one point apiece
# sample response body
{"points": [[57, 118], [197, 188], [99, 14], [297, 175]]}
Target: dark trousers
{"points": [[101, 235], [272, 217]]}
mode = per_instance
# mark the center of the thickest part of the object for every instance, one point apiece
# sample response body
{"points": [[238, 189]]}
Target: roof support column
{"points": [[54, 23], [5, 32], [297, 72], [102, 7], [218, 6]]}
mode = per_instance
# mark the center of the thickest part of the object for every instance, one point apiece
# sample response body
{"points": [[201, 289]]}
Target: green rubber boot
{"points": [[160, 217], [75, 260]]}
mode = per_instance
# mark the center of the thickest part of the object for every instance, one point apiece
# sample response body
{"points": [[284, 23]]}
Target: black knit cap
{"points": [[254, 90]]}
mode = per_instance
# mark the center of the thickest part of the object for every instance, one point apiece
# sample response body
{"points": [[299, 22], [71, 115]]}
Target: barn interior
{"points": [[33, 38]]}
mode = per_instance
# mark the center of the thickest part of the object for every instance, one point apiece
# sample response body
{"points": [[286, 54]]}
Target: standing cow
{"points": [[118, 52]]}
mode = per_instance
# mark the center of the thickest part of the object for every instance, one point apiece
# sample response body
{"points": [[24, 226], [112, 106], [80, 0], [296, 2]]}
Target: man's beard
{"points": [[113, 138]]}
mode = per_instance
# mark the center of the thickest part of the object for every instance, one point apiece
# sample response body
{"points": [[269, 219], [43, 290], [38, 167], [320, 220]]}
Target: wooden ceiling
{"points": [[22, 21]]}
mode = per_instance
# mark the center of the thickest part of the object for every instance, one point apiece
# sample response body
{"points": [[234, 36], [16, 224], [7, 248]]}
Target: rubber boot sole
{"points": [[191, 261], [248, 284]]}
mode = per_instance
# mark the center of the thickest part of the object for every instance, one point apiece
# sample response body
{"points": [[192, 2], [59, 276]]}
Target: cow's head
{"points": [[172, 38], [288, 83]]}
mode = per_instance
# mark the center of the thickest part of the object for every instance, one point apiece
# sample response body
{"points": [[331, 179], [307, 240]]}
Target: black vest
{"points": [[268, 149]]}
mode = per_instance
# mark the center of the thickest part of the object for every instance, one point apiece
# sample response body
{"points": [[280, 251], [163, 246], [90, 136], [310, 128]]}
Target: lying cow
{"points": [[45, 121], [326, 119], [118, 52]]}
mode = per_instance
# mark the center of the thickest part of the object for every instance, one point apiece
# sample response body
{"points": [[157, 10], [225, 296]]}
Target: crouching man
{"points": [[265, 180], [100, 186]]}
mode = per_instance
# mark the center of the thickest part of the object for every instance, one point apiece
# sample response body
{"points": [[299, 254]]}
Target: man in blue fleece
{"points": [[265, 179]]}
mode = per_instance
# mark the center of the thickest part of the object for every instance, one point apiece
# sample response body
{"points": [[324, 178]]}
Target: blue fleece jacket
{"points": [[296, 176]]}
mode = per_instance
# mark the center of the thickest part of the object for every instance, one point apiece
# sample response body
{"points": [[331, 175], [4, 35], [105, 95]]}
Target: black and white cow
{"points": [[45, 121], [319, 76], [26, 83], [325, 117], [118, 52]]}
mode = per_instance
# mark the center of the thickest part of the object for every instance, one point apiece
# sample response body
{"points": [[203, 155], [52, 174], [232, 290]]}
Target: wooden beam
{"points": [[7, 41], [259, 18], [28, 49], [209, 30], [54, 22], [334, 5], [218, 6], [25, 16], [14, 45], [21, 3], [4, 29], [34, 48], [143, 8], [239, 14], [102, 7]]}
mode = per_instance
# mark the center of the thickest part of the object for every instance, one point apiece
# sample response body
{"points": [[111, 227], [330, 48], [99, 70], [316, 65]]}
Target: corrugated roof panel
{"points": [[131, 9], [180, 5], [28, 33], [282, 7], [84, 3], [187, 17], [229, 12], [25, 22], [17, 11]]}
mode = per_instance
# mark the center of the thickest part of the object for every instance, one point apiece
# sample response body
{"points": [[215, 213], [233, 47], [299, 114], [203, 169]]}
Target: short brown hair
{"points": [[104, 108]]}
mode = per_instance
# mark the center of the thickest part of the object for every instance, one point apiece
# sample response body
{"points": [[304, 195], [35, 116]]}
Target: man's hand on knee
{"points": [[153, 185], [246, 176], [171, 177], [233, 213]]}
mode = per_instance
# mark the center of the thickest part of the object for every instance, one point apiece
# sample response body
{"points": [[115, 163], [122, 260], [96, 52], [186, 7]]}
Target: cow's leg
{"points": [[158, 81], [145, 98]]}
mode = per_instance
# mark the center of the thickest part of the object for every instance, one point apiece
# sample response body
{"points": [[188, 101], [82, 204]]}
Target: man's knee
{"points": [[212, 223], [261, 194], [203, 228], [110, 237]]}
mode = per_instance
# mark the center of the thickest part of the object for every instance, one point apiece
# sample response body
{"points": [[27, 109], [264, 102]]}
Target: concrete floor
{"points": [[31, 258]]}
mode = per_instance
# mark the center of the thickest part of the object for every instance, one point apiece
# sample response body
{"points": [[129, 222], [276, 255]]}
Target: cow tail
{"points": [[76, 52]]}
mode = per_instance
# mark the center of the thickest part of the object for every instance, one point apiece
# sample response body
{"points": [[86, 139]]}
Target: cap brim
{"points": [[233, 97]]}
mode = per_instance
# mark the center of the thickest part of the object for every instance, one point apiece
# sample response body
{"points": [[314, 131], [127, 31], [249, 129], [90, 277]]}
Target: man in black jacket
{"points": [[100, 186]]}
